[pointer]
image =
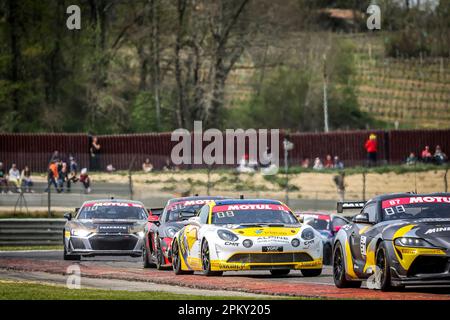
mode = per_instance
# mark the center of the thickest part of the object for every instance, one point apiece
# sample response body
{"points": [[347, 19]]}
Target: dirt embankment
{"points": [[308, 185]]}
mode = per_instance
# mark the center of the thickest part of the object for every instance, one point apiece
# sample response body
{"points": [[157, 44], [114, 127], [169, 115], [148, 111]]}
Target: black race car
{"points": [[160, 229], [396, 240], [105, 227]]}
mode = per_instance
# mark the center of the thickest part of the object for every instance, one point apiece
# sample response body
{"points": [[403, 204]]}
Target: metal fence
{"points": [[31, 232], [35, 150]]}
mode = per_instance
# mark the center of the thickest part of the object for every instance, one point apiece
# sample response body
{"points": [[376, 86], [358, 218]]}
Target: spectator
{"points": [[3, 179], [439, 156], [371, 147], [63, 177], [14, 177], [244, 166], [110, 168], [73, 165], [266, 159], [147, 166], [317, 164], [52, 176], [412, 159], [328, 162], [305, 163], [340, 185], [337, 163], [426, 155], [94, 151], [85, 180], [27, 182]]}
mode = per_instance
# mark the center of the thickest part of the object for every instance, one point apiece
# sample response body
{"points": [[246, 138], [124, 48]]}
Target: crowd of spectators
{"points": [[14, 180], [426, 156], [329, 162], [61, 174]]}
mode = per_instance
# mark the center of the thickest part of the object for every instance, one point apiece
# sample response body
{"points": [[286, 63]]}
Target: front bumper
{"points": [[269, 262], [105, 244], [308, 255]]}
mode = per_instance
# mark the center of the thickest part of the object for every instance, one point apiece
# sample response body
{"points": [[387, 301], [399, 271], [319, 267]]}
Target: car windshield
{"points": [[243, 215], [416, 208], [316, 223], [117, 211], [184, 209]]}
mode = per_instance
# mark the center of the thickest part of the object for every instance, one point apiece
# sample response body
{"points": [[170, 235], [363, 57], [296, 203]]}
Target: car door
{"points": [[360, 236]]}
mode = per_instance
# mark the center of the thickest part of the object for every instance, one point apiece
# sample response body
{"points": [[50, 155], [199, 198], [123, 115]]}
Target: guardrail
{"points": [[31, 232]]}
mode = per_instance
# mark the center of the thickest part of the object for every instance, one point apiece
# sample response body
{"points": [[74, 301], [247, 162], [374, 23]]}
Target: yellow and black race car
{"points": [[396, 240]]}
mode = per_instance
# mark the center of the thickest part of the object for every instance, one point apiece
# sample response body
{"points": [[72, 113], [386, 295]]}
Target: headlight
{"points": [[170, 232], [227, 235], [412, 242], [295, 242], [308, 234], [140, 234], [80, 233], [247, 243]]}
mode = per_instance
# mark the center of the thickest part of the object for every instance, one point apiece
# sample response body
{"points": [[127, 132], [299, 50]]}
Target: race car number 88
{"points": [[392, 210], [224, 214]]}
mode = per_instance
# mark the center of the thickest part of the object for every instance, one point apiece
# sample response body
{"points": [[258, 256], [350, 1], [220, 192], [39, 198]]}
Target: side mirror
{"points": [[361, 218], [336, 229], [68, 216], [301, 219]]}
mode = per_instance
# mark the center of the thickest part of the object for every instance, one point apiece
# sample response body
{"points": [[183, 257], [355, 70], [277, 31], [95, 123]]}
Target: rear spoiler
{"points": [[155, 211], [341, 206]]}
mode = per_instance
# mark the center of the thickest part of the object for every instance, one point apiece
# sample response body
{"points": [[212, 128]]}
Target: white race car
{"points": [[232, 235]]}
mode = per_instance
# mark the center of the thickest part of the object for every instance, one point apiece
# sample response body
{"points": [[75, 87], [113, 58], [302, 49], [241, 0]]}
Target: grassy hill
{"points": [[414, 92]]}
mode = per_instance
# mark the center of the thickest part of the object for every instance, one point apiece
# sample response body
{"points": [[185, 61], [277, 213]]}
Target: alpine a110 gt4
{"points": [[396, 240], [105, 227], [234, 235]]}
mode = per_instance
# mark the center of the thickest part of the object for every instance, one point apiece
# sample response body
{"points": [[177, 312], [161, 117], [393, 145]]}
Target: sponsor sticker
{"points": [[413, 200], [237, 207], [113, 204]]}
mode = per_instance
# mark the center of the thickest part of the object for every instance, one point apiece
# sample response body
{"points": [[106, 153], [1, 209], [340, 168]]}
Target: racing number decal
{"points": [[362, 245], [225, 214], [392, 210]]}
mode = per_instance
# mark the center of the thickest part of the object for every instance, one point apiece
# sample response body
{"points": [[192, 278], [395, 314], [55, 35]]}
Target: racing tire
{"points": [[145, 261], [339, 270], [280, 272], [206, 261], [176, 260], [382, 264], [327, 254], [159, 255], [311, 272], [71, 257]]}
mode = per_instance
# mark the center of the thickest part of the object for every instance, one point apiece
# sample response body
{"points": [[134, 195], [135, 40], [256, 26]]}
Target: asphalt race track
{"points": [[117, 272]]}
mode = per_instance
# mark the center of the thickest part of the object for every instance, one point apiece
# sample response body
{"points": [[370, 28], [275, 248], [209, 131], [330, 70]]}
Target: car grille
{"points": [[77, 243], [424, 265], [270, 257], [124, 242]]}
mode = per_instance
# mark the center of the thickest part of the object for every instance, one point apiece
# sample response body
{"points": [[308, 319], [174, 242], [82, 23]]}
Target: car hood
{"points": [[434, 230]]}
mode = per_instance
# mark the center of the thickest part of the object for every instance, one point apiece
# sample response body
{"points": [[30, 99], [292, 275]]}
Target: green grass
{"points": [[14, 290], [22, 248]]}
